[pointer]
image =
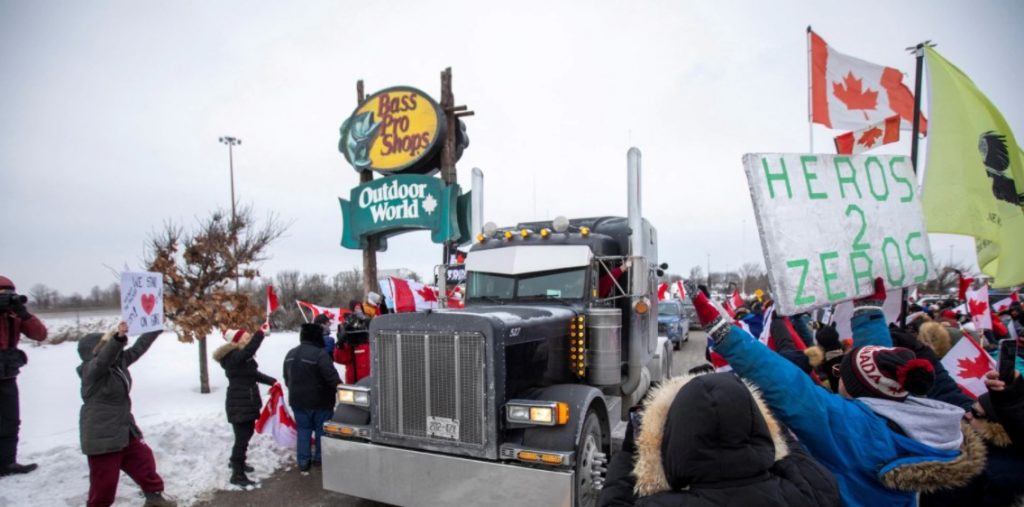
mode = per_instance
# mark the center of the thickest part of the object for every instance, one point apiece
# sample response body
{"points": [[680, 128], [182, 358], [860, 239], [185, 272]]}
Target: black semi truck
{"points": [[511, 400]]}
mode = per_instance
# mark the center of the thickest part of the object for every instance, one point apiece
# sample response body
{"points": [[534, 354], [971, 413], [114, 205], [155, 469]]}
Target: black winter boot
{"points": [[238, 478], [16, 468], [248, 469]]}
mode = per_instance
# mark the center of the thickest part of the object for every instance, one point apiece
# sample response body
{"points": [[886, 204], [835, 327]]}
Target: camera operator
{"points": [[14, 321], [353, 348]]}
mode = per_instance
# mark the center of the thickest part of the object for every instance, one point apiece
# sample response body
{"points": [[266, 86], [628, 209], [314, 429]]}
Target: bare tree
{"points": [[42, 296], [947, 279], [697, 274], [197, 267], [748, 273]]}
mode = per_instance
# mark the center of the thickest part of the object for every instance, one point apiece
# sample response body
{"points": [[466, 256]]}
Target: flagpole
{"points": [[919, 56], [810, 99]]}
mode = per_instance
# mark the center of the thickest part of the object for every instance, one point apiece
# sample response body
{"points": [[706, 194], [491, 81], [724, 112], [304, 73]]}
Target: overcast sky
{"points": [[111, 113]]}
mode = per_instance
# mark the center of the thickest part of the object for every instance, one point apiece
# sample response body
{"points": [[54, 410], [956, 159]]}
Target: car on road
{"points": [[673, 322], [691, 314]]}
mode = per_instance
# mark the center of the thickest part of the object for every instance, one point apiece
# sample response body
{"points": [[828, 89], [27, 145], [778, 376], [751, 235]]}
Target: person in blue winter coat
{"points": [[883, 443]]}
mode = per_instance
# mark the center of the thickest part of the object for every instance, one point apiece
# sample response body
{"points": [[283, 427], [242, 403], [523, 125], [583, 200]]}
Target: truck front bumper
{"points": [[407, 477]]}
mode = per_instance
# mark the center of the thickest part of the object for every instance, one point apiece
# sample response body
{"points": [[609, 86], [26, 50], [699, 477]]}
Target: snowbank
{"points": [[188, 431]]}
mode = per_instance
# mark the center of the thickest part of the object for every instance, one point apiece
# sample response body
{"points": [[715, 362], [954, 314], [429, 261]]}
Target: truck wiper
{"points": [[545, 297], [491, 299]]}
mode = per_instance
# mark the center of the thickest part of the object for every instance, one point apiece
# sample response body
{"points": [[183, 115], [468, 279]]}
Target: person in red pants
{"points": [[109, 436]]}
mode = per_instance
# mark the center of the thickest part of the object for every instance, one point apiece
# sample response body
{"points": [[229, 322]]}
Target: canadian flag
{"points": [[849, 93], [272, 303], [682, 290], [277, 418], [859, 141], [410, 296], [964, 284], [1005, 303], [968, 363], [337, 315], [662, 291], [977, 307]]}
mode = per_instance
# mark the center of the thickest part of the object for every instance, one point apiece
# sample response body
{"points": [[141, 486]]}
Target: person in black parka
{"points": [[242, 402], [312, 385], [709, 440]]}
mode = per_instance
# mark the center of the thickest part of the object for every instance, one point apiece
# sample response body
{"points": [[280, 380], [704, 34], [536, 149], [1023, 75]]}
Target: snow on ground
{"points": [[188, 431]]}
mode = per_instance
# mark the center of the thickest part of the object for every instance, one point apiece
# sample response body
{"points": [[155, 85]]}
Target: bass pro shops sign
{"points": [[390, 206], [397, 130]]}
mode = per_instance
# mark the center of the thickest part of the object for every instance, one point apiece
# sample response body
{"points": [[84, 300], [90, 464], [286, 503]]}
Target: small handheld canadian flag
{"points": [[272, 303]]}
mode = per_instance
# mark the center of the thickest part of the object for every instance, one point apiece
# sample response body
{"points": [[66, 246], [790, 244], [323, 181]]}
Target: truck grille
{"points": [[431, 376]]}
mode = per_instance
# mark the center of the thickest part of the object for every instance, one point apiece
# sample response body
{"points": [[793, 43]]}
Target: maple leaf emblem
{"points": [[427, 294], [973, 368], [429, 204], [976, 307], [868, 138], [851, 91]]}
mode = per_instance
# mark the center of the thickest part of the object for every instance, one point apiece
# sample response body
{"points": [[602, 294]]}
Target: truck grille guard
{"points": [[431, 392]]}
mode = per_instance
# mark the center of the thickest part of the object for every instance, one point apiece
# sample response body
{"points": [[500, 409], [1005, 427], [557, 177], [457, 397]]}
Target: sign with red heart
{"points": [[142, 301]]}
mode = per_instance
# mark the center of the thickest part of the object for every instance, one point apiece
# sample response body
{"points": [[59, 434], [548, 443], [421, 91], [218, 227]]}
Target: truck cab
{"points": [[513, 398]]}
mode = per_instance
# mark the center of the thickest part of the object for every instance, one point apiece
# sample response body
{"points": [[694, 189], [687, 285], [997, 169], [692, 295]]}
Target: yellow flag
{"points": [[974, 184]]}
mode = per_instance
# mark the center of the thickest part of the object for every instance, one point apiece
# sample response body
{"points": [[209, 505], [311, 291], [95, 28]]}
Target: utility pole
{"points": [[231, 142], [370, 251], [452, 113]]}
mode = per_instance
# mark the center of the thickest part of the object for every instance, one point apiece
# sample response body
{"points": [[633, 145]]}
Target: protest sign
{"points": [[831, 224], [142, 301]]}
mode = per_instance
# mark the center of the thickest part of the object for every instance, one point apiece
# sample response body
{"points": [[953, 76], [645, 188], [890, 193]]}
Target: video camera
{"points": [[356, 329], [10, 300]]}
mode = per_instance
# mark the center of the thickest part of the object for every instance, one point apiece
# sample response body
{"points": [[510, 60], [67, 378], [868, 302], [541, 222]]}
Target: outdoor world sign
{"points": [[830, 224], [390, 206], [395, 130]]}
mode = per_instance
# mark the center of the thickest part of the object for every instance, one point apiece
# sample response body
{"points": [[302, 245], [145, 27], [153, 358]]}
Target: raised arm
{"points": [[141, 345]]}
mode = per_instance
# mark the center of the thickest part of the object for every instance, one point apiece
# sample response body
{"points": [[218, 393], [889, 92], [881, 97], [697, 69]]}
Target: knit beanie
{"points": [[235, 335], [6, 283], [886, 373]]}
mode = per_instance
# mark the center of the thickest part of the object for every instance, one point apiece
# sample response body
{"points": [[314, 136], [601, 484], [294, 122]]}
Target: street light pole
{"points": [[232, 142]]}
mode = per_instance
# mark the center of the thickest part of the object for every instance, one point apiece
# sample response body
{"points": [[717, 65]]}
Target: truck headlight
{"points": [[352, 395], [545, 413]]}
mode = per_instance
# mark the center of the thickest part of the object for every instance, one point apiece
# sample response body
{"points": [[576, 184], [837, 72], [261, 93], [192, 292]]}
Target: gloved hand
{"points": [[873, 300], [632, 430], [711, 319]]}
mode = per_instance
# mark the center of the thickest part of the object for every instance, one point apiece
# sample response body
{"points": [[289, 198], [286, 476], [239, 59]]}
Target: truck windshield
{"points": [[668, 308], [569, 284]]}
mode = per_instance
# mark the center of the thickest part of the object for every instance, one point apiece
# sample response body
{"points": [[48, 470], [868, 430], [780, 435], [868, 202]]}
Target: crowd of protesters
{"points": [[807, 417]]}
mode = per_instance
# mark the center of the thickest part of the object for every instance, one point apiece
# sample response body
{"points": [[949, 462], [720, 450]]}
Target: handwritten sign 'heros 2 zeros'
{"points": [[831, 224], [142, 301], [398, 129]]}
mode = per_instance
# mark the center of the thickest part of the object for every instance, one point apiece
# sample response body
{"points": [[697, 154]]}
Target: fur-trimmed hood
{"points": [[719, 431], [218, 355], [933, 475]]}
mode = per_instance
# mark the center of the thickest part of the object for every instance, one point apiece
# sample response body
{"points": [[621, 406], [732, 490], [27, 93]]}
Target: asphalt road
{"points": [[289, 487]]}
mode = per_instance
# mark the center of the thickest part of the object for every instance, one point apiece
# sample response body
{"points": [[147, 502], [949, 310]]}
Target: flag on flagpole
{"points": [[277, 419], [682, 290], [410, 296], [968, 363], [850, 93], [964, 284], [974, 183], [875, 135], [272, 303], [337, 315]]}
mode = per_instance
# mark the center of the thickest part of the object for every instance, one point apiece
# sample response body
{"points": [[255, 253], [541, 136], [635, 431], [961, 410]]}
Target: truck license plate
{"points": [[443, 427]]}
